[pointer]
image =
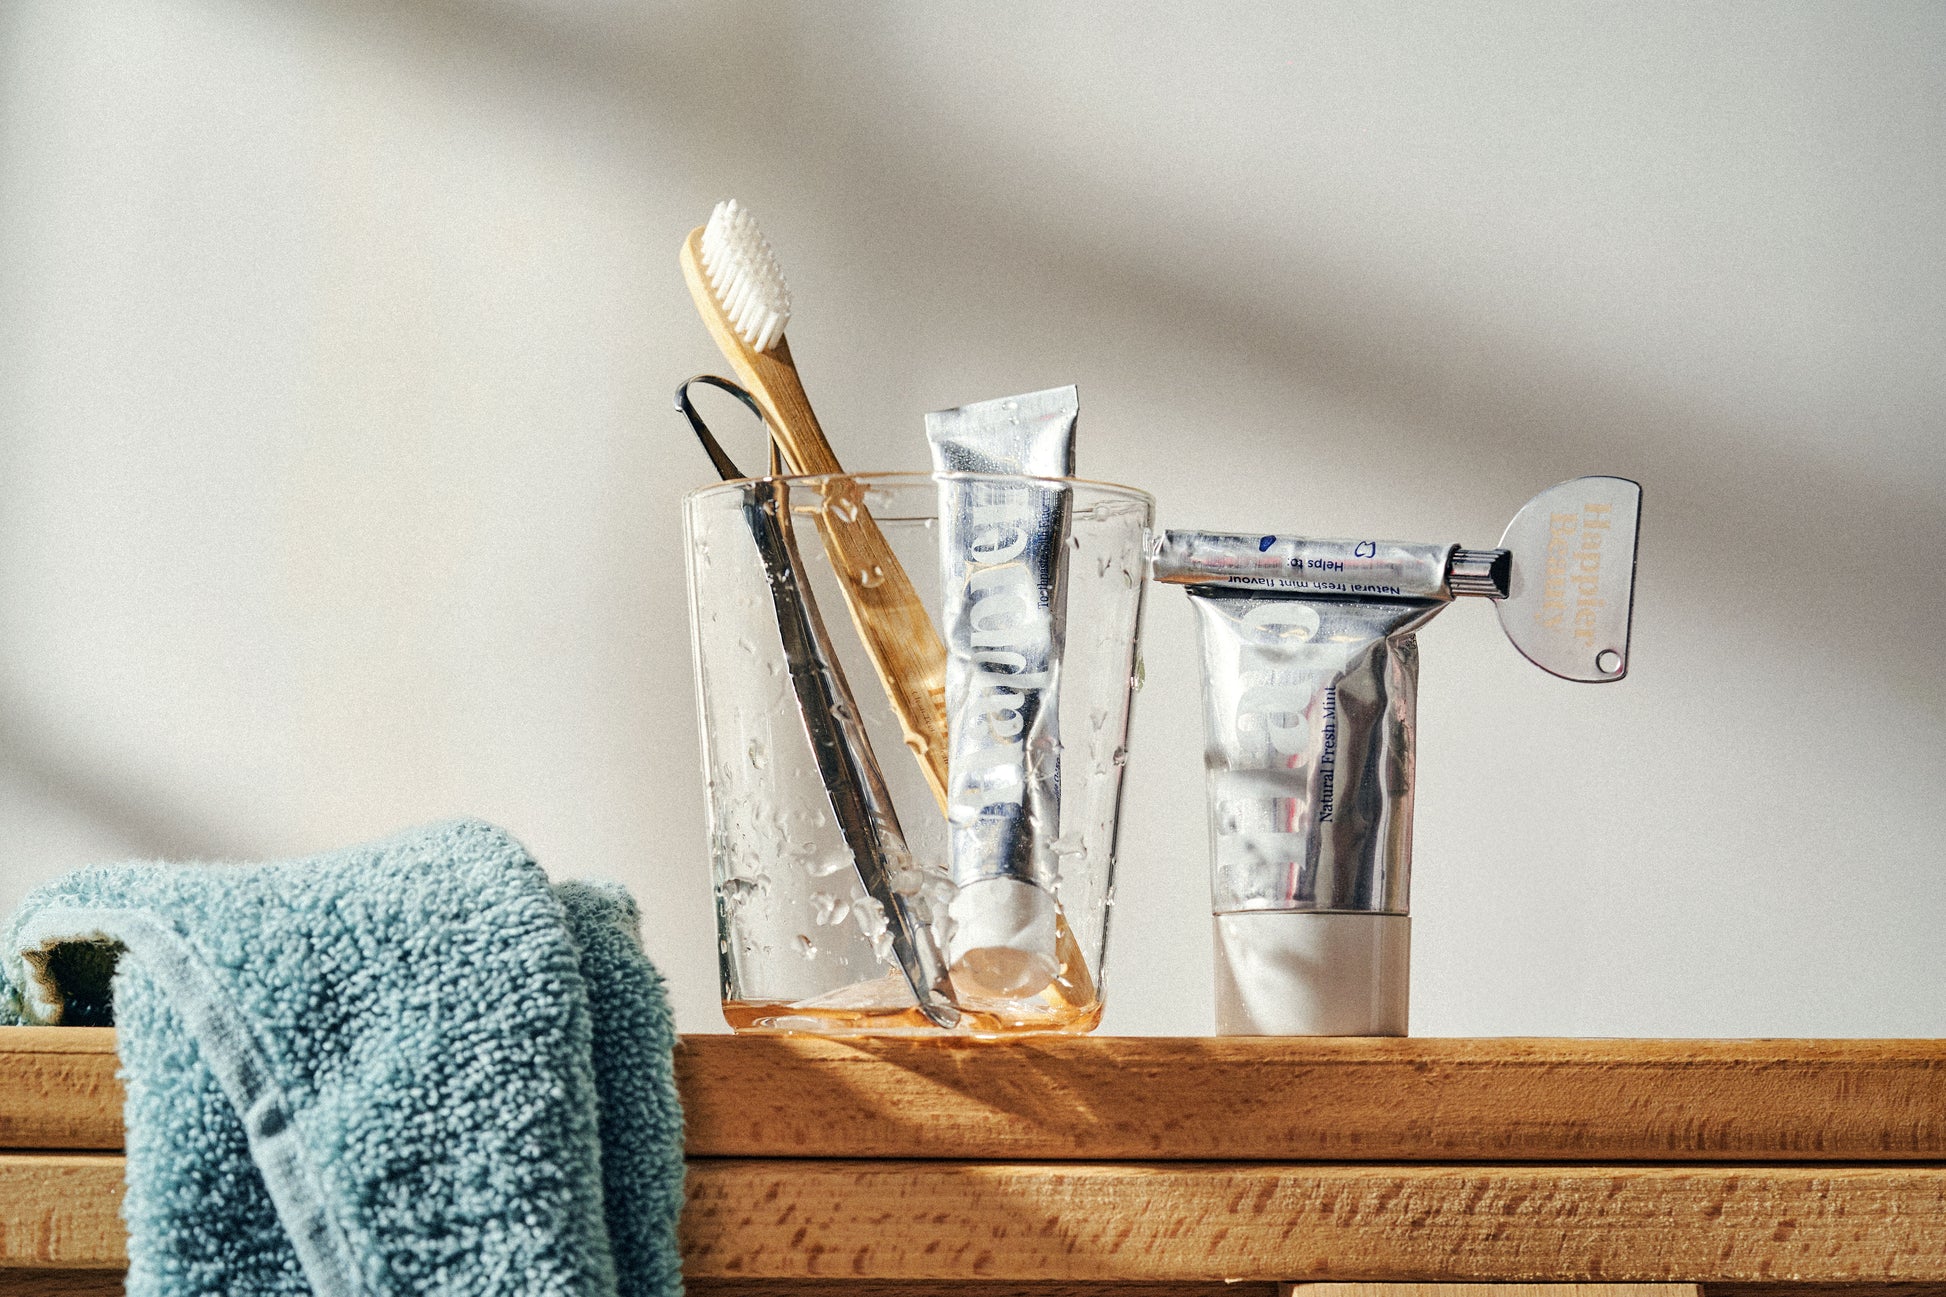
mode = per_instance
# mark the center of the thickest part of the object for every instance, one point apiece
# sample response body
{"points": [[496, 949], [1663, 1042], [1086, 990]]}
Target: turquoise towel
{"points": [[412, 1067]]}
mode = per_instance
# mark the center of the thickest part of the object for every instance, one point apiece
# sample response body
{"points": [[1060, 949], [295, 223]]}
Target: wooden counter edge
{"points": [[58, 1088], [1333, 1100], [1198, 1223], [1096, 1098]]}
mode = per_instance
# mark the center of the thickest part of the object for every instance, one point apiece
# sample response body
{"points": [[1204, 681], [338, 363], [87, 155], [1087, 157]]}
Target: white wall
{"points": [[338, 484]]}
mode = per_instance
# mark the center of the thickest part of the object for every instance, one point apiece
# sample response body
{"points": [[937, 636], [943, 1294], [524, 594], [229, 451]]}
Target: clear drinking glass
{"points": [[804, 943]]}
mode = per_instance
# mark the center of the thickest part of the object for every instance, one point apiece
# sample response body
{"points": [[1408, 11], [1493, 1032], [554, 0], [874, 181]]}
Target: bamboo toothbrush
{"points": [[739, 291], [743, 300]]}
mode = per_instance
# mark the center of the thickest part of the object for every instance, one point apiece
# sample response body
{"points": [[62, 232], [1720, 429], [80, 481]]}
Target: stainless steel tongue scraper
{"points": [[859, 799]]}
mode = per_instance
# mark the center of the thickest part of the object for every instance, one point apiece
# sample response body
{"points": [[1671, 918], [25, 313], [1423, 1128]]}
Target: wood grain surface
{"points": [[1822, 1289], [1129, 1098], [1488, 1290], [61, 1210], [1178, 1222], [58, 1088], [975, 1288], [63, 1283], [1175, 1223], [109, 1283], [1149, 1099]]}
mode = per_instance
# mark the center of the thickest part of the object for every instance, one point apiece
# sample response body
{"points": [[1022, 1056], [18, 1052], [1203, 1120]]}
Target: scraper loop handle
{"points": [[725, 467]]}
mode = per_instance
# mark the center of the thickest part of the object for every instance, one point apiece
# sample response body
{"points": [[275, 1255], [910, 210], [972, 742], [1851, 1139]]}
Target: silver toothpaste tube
{"points": [[1002, 555], [1310, 690]]}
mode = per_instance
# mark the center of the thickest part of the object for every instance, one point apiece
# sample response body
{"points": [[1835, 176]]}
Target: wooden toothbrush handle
{"points": [[892, 622], [895, 628]]}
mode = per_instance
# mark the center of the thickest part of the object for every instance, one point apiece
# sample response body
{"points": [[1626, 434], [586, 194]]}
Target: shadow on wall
{"points": [[124, 818], [1478, 407], [1493, 414]]}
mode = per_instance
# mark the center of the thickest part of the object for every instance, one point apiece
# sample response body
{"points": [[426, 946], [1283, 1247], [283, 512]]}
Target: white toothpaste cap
{"points": [[1003, 938], [1312, 973]]}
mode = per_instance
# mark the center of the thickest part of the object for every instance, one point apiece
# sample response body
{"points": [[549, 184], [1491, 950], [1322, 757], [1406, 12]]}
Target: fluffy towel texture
{"points": [[412, 1067]]}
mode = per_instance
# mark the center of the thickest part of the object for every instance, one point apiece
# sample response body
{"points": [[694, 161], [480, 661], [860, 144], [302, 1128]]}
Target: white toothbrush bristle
{"points": [[743, 273]]}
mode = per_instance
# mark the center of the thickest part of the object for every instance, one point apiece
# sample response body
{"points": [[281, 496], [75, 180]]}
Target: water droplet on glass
{"points": [[758, 756], [806, 947], [828, 866], [828, 910], [871, 577], [870, 917], [738, 890]]}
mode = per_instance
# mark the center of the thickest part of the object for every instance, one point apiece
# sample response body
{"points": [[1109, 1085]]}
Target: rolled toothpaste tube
{"points": [[1310, 692], [1003, 568]]}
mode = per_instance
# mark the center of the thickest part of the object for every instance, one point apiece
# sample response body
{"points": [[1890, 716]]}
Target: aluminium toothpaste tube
{"points": [[1310, 684], [1003, 569], [1310, 691]]}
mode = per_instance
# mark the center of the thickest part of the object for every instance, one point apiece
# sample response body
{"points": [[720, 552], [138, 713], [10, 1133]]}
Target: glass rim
{"points": [[914, 477]]}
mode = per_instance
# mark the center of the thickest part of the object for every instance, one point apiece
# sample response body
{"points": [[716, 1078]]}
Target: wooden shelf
{"points": [[58, 1088], [1204, 1222], [1318, 1099], [1114, 1161], [1109, 1098]]}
